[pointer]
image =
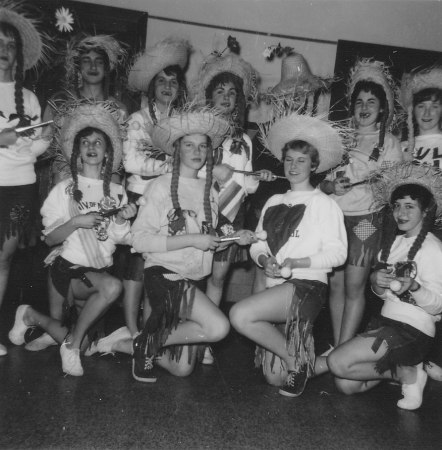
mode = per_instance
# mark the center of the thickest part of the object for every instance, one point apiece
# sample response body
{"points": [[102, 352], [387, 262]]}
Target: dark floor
{"points": [[227, 406]]}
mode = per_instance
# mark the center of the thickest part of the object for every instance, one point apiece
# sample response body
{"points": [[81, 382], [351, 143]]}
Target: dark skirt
{"points": [[18, 211]]}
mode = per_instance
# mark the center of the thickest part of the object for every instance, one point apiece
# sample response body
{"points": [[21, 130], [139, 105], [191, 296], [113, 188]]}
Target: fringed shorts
{"points": [[407, 346], [363, 234], [308, 298], [18, 209]]}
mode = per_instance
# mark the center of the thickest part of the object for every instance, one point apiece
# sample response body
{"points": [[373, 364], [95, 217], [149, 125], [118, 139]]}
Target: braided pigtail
{"points": [[177, 222], [207, 189], [108, 172], [19, 80], [410, 128], [76, 193], [427, 225]]}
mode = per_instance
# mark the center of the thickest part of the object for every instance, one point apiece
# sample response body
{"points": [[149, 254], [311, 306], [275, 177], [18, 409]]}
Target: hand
{"points": [[405, 282], [128, 211], [264, 175], [222, 173], [271, 268], [247, 237], [89, 220], [8, 136], [382, 278], [206, 242], [341, 185]]}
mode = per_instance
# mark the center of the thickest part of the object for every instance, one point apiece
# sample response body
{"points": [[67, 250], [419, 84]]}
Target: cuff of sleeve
{"points": [[257, 258]]}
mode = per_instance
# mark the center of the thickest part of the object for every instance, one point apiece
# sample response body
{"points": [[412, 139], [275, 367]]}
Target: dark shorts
{"points": [[407, 346], [363, 234], [18, 209]]}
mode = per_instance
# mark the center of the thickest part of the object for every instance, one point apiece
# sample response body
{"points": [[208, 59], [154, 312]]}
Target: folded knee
{"points": [[218, 329], [337, 365], [238, 317], [111, 289]]}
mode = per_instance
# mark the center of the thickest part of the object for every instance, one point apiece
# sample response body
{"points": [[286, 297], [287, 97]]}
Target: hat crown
{"points": [[295, 67]]}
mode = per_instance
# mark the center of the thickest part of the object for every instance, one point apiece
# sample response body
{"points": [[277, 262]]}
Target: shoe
{"points": [[295, 382], [3, 350], [70, 360], [17, 333], [104, 345], [413, 392], [44, 341], [327, 352], [433, 370], [208, 358], [142, 364]]}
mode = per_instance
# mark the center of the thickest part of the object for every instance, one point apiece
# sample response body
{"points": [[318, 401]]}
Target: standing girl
{"points": [[305, 240], [372, 107], [396, 342], [21, 47], [86, 214]]}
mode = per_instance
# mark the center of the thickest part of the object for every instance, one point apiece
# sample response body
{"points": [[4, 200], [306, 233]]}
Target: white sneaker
{"points": [[433, 370], [42, 342], [208, 359], [413, 392], [104, 345], [3, 350], [17, 333], [70, 360]]}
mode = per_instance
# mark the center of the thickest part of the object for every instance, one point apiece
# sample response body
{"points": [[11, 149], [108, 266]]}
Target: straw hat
{"points": [[204, 121], [75, 116], [12, 12], [115, 52], [367, 69], [230, 63], [425, 175], [317, 132], [168, 52], [415, 82], [296, 77]]}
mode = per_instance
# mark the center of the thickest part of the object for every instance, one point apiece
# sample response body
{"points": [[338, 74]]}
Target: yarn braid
{"points": [[177, 222], [108, 171], [208, 187], [427, 225], [76, 193]]}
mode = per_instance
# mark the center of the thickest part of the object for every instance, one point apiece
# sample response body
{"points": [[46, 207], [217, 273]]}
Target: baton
{"points": [[245, 172], [31, 127], [228, 239]]}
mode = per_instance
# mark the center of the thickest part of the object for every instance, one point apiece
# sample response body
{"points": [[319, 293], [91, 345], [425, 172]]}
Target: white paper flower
{"points": [[267, 53], [64, 20]]}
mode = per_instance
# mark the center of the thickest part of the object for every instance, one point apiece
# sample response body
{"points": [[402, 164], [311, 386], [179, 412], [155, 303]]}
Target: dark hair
{"points": [[238, 116], [303, 147], [424, 95], [10, 31], [178, 217], [426, 202], [109, 161], [180, 98]]}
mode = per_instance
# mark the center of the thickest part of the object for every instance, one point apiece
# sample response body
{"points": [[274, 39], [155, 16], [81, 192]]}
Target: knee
{"points": [[338, 366], [111, 289], [238, 317], [345, 386], [218, 329]]}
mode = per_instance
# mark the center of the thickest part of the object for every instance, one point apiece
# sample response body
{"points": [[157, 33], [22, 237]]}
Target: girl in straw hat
{"points": [[421, 98], [21, 47], [372, 107], [159, 73], [174, 231], [305, 239], [228, 84], [408, 281], [88, 215]]}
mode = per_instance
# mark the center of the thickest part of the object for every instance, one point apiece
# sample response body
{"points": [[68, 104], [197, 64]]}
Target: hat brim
{"points": [[31, 40], [318, 133], [169, 129], [412, 83]]}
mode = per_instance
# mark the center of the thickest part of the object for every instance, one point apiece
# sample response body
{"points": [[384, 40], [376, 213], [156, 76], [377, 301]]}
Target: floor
{"points": [[225, 406]]}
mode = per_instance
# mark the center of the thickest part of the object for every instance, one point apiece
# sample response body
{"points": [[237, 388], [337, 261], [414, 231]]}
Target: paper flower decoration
{"points": [[277, 50], [64, 20]]}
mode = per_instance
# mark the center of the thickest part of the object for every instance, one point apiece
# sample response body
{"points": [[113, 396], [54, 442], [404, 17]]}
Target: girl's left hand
{"points": [[128, 211], [264, 175], [406, 283], [247, 237]]}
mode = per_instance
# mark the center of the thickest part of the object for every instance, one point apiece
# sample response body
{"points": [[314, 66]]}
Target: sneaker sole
{"points": [[143, 380], [288, 394]]}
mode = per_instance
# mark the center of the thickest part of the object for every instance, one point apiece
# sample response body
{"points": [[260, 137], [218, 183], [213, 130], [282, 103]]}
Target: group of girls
{"points": [[188, 166]]}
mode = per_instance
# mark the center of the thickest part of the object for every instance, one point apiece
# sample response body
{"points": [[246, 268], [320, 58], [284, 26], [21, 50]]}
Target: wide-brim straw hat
{"points": [[367, 69], [229, 63], [12, 12], [79, 115], [168, 52], [319, 133], [204, 121], [414, 82], [385, 182], [296, 77]]}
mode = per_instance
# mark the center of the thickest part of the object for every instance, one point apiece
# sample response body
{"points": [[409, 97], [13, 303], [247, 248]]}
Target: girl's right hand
{"points": [[382, 278], [271, 268], [206, 242], [341, 185], [89, 220]]}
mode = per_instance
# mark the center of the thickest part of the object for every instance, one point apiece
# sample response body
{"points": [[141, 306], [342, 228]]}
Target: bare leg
{"points": [[337, 302], [55, 301], [259, 281], [7, 252], [215, 283], [51, 326], [133, 291]]}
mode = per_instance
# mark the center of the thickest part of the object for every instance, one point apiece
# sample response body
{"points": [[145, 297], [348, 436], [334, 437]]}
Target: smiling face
{"points": [[8, 53], [298, 168], [367, 108], [193, 150], [428, 116], [93, 148], [224, 97], [92, 67], [165, 88], [408, 215]]}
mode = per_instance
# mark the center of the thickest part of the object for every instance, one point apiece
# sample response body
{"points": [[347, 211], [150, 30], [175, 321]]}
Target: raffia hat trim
{"points": [[204, 121], [230, 63], [168, 52], [412, 83], [367, 69], [77, 115], [384, 183], [12, 12], [317, 132]]}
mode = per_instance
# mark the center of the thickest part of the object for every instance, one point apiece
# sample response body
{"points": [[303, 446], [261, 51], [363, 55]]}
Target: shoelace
{"points": [[148, 363], [291, 379]]}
